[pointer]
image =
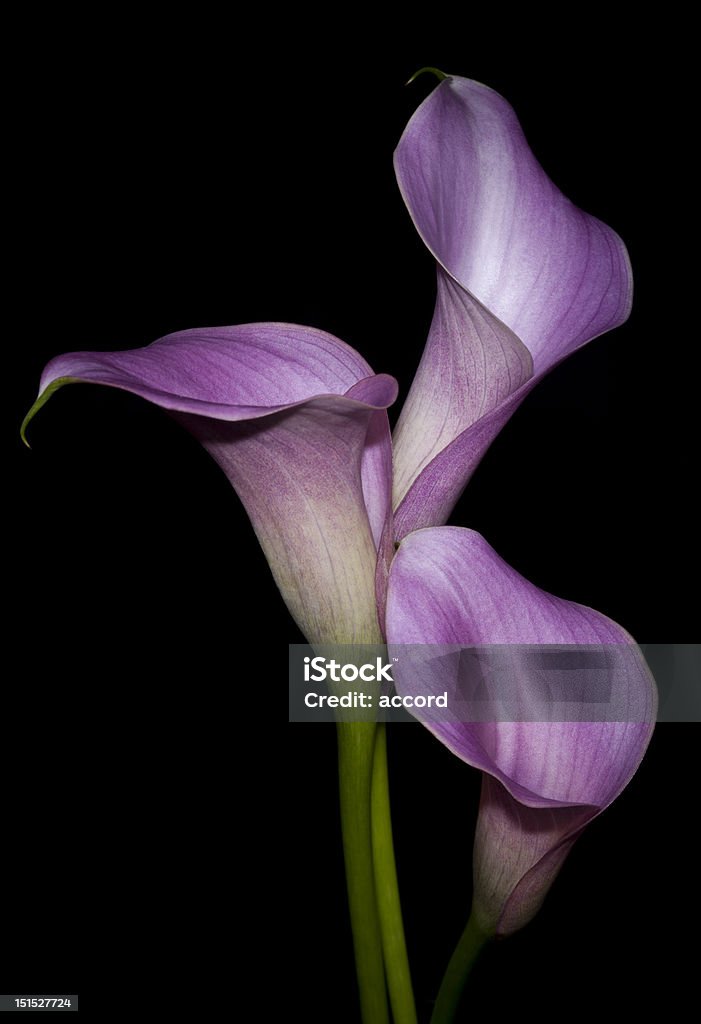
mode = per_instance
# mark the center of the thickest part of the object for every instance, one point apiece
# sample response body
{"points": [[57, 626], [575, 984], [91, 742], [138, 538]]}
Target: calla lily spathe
{"points": [[543, 780], [294, 418], [524, 279], [297, 420]]}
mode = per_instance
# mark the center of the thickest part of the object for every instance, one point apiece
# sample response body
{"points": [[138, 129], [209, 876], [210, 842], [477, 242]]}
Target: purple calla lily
{"points": [[543, 781], [524, 279], [297, 420]]}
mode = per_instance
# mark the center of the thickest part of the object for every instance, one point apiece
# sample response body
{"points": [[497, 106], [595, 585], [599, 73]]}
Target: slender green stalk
{"points": [[356, 742], [387, 890], [464, 958]]}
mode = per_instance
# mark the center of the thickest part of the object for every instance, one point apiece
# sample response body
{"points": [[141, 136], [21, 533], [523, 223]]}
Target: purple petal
{"points": [[525, 278], [470, 366], [286, 412], [448, 587], [376, 474], [490, 215], [229, 373], [435, 490], [518, 853]]}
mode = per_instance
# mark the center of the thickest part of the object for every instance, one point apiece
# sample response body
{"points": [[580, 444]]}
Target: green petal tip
{"points": [[42, 400], [440, 75]]}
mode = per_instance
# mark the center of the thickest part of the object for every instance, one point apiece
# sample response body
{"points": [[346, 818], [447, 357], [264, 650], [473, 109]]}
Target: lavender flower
{"points": [[352, 522]]}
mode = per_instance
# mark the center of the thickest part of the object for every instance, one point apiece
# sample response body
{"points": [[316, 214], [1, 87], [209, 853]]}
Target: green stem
{"points": [[387, 890], [356, 742], [467, 952]]}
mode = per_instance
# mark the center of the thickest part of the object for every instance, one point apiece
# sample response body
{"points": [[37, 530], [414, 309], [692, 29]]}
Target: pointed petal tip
{"points": [[23, 428], [440, 75], [42, 399]]}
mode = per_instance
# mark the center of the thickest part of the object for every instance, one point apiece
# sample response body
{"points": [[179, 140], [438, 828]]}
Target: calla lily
{"points": [[543, 781], [524, 279], [297, 420]]}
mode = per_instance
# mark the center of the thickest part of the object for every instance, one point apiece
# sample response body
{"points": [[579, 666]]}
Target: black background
{"points": [[155, 809]]}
